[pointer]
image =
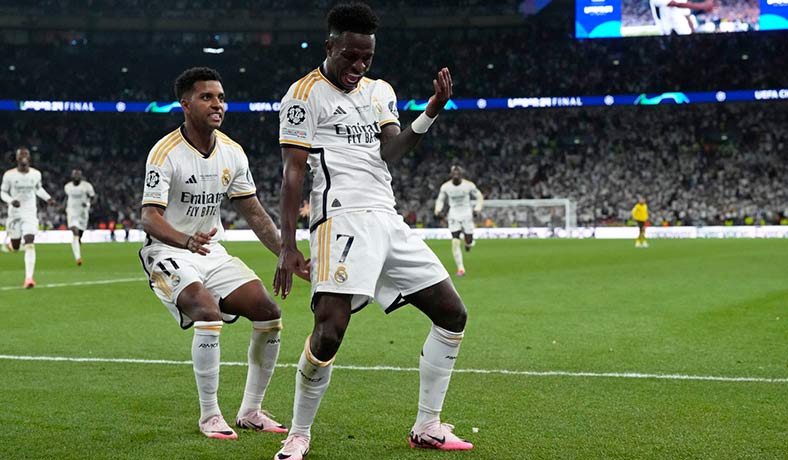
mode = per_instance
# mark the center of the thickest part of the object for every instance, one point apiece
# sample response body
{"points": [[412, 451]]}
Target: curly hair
{"points": [[185, 81], [352, 17]]}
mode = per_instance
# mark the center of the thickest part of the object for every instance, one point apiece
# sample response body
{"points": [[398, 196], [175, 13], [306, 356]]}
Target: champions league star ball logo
{"points": [[226, 177], [175, 280], [152, 179], [340, 276], [296, 115]]}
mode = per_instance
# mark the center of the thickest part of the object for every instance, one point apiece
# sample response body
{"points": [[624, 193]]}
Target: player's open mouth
{"points": [[216, 116], [350, 80]]}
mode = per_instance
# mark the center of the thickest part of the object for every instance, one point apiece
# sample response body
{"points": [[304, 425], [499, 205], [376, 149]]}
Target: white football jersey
{"points": [[341, 131], [459, 197], [78, 196], [24, 187], [191, 187]]}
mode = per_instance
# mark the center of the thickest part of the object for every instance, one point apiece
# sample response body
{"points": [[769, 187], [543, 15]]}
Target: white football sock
{"points": [[435, 365], [263, 352], [312, 378], [456, 251], [75, 248], [30, 260], [205, 355]]}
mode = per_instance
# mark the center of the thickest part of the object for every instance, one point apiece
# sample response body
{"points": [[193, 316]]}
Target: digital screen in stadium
{"points": [[633, 18]]}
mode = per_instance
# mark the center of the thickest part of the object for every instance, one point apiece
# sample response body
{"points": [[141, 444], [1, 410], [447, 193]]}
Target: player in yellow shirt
{"points": [[640, 214]]}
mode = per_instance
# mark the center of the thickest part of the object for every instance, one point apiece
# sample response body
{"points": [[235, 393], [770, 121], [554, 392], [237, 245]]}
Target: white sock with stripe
{"points": [[456, 251], [205, 355], [262, 355], [30, 260], [312, 379], [75, 248], [435, 366]]}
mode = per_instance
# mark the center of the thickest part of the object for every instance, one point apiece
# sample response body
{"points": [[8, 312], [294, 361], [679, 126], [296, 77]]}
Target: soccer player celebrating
{"points": [[640, 214], [19, 189], [79, 195], [460, 192], [345, 126], [189, 172]]}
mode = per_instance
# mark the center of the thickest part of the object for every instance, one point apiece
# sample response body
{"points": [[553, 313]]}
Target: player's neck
{"points": [[23, 169], [203, 141]]}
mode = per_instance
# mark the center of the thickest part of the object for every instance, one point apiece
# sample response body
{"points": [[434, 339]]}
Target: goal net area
{"points": [[551, 213]]}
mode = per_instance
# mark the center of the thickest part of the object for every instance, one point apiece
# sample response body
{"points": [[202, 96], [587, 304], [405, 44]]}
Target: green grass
{"points": [[701, 307]]}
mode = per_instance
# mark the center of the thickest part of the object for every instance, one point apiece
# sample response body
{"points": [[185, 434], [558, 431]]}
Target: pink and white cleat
{"points": [[461, 272], [438, 436], [295, 447], [29, 283], [215, 427], [260, 420]]}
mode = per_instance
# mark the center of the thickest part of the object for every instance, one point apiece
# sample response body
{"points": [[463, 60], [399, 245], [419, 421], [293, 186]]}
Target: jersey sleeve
{"points": [[477, 197], [91, 190], [297, 121], [5, 190], [386, 104], [441, 201], [157, 182], [242, 184], [660, 2]]}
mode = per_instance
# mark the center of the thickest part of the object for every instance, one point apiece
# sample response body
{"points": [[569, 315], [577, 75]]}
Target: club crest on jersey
{"points": [[296, 115], [226, 177], [152, 179], [340, 276]]}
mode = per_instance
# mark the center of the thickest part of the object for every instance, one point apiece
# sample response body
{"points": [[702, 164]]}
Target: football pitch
{"points": [[573, 350]]}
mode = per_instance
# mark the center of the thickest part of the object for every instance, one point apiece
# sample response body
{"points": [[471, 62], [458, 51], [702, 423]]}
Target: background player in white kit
{"points": [[79, 197], [19, 189], [188, 174], [674, 15], [346, 127], [459, 193]]}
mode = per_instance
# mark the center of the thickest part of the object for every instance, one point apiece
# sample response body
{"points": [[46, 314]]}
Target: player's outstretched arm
{"points": [[395, 143], [290, 258], [707, 5], [155, 225]]}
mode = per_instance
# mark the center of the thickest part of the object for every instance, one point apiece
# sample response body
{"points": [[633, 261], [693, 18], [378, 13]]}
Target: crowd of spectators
{"points": [[696, 165], [485, 62]]}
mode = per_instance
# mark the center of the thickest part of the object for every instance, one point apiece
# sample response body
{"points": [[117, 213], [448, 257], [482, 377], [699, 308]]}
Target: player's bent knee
{"points": [[196, 302], [455, 319]]}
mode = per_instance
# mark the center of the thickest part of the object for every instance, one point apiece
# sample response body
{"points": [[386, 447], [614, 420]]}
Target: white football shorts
{"points": [[78, 219], [18, 226], [374, 256], [461, 225], [170, 270]]}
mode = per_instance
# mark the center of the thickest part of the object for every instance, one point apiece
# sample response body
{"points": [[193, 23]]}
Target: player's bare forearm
{"points": [[292, 185], [155, 225], [395, 143], [260, 222]]}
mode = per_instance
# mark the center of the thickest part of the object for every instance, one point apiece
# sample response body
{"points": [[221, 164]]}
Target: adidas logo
{"points": [[340, 111], [191, 180], [336, 204]]}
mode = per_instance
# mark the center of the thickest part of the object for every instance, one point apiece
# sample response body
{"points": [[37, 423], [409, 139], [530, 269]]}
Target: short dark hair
{"points": [[185, 81], [352, 17]]}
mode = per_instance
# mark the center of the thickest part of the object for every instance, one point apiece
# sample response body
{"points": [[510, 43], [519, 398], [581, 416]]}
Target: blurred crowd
{"points": [[695, 165], [485, 62]]}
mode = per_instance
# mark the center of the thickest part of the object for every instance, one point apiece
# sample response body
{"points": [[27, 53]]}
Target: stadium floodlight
{"points": [[213, 50], [552, 213]]}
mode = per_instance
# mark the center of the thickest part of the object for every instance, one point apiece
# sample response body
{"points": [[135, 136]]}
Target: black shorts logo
{"points": [[152, 179], [296, 115]]}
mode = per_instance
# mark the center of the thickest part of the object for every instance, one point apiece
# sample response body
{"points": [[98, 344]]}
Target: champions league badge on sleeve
{"points": [[152, 179]]}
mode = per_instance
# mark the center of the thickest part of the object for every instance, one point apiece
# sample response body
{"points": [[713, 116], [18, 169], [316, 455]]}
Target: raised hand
{"points": [[443, 91]]}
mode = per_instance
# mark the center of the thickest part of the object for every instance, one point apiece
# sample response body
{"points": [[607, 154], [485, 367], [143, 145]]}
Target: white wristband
{"points": [[422, 123]]}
